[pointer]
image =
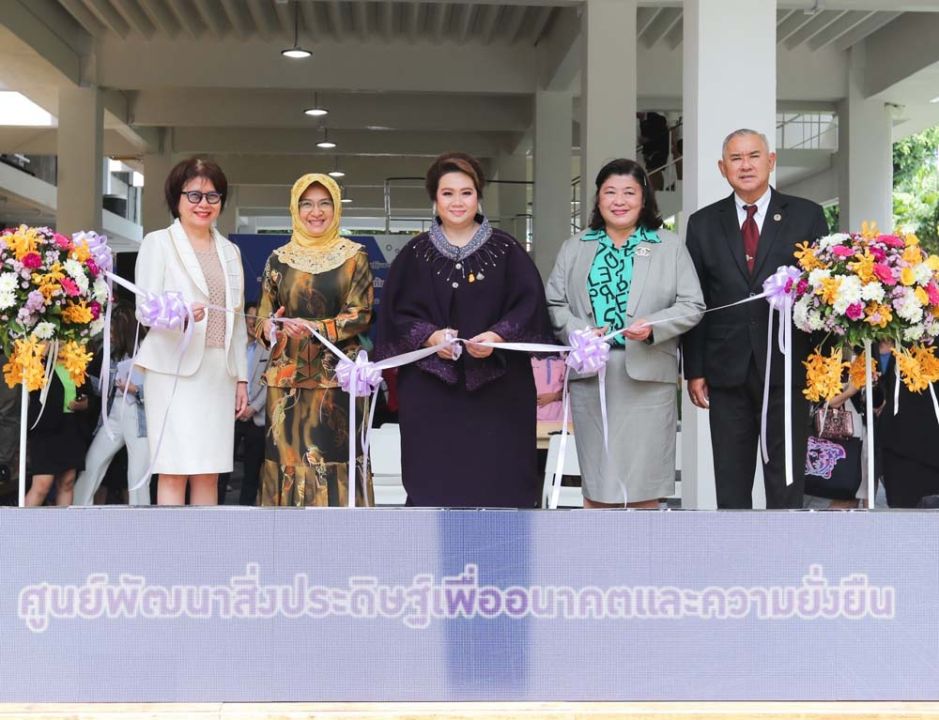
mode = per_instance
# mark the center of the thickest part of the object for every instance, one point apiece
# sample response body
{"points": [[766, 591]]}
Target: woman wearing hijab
{"points": [[323, 281]]}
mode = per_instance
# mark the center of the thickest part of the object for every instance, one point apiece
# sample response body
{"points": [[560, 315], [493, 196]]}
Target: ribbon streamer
{"points": [[778, 289]]}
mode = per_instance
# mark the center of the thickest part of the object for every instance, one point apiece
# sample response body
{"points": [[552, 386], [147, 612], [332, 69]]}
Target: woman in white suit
{"points": [[621, 273], [191, 437]]}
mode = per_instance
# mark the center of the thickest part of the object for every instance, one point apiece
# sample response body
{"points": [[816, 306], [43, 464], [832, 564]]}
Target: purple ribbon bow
{"points": [[780, 287], [167, 310], [359, 378], [98, 244], [590, 352]]}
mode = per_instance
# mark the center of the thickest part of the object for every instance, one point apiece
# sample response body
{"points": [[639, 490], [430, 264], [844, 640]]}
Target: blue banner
{"points": [[224, 604]]}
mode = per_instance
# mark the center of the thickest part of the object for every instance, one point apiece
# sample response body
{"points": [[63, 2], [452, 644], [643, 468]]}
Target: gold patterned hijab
{"points": [[303, 237], [316, 253]]}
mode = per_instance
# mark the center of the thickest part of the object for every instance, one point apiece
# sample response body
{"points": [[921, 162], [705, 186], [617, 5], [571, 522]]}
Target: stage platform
{"points": [[473, 711], [440, 613]]}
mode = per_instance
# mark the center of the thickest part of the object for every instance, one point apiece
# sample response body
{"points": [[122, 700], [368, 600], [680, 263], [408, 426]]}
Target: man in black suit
{"points": [[735, 245]]}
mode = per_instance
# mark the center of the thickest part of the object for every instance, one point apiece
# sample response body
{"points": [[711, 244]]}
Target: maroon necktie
{"points": [[751, 235]]}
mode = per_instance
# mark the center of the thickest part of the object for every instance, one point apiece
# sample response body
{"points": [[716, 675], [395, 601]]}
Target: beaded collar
{"points": [[452, 252]]}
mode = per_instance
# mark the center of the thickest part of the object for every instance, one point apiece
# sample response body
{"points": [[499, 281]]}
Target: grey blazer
{"points": [[257, 390], [664, 285]]}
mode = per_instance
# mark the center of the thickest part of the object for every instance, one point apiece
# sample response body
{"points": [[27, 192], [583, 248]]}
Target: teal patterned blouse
{"points": [[611, 276]]}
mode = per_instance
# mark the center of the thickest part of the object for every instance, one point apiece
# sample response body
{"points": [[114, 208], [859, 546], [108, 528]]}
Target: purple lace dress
{"points": [[467, 427]]}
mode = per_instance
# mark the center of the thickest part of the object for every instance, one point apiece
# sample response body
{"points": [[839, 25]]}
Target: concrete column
{"points": [[227, 222], [512, 192], [554, 123], [729, 83], [154, 213], [865, 153], [608, 89], [81, 160]]}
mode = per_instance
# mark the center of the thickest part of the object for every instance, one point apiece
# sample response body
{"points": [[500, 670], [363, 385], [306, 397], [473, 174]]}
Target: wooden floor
{"points": [[471, 711]]}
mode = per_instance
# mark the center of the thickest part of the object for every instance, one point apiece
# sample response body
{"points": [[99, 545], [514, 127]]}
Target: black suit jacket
{"points": [[720, 348]]}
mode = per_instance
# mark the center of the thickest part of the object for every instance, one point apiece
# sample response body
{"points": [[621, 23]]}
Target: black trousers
{"points": [[253, 457], [735, 416]]}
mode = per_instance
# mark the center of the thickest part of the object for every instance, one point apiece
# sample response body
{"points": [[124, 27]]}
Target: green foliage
{"points": [[916, 186]]}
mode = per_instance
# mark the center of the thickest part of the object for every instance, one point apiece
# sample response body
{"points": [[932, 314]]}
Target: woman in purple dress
{"points": [[467, 422]]}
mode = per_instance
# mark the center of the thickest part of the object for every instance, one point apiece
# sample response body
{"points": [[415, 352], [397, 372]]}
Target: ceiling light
{"points": [[325, 143], [317, 110], [296, 52], [336, 172], [935, 99], [347, 200]]}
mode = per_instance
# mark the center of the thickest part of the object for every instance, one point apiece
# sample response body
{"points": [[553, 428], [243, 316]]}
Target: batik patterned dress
{"points": [[307, 438]]}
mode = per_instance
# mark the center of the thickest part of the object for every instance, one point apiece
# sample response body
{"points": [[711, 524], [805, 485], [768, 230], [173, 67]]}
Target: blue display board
{"points": [[247, 604]]}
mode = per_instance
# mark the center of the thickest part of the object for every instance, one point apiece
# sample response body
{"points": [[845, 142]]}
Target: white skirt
{"points": [[198, 435]]}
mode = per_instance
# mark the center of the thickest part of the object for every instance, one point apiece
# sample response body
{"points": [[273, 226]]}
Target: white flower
{"points": [[8, 282], [932, 328], [849, 292], [73, 268], [835, 239], [922, 273], [909, 308], [800, 312], [44, 330], [100, 291], [872, 291], [817, 275], [96, 326], [7, 299], [815, 321], [915, 332]]}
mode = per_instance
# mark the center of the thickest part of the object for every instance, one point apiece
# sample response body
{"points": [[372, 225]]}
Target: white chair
{"points": [[384, 454], [569, 496]]}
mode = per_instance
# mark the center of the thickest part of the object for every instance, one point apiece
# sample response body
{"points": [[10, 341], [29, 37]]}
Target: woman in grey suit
{"points": [[621, 273]]}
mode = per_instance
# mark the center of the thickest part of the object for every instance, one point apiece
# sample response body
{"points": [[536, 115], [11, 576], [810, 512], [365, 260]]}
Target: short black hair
{"points": [[185, 171], [454, 162], [649, 216]]}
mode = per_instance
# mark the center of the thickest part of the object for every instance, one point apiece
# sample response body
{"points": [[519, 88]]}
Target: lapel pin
{"points": [[777, 217], [643, 252]]}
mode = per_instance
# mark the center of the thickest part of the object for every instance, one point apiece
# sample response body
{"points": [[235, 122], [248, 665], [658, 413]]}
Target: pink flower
{"points": [[842, 251], [69, 286], [802, 287], [855, 311], [933, 293], [892, 241], [63, 242], [884, 274], [878, 253], [32, 260], [95, 308], [93, 268]]}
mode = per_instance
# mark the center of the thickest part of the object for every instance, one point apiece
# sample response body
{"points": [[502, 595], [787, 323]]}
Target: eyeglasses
{"points": [[307, 205], [195, 197]]}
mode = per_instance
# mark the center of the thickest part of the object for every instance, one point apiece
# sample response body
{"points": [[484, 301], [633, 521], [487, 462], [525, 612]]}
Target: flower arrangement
{"points": [[53, 292], [862, 287]]}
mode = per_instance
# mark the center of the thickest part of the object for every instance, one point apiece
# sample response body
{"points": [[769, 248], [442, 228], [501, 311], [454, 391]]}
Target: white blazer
{"points": [[166, 261]]}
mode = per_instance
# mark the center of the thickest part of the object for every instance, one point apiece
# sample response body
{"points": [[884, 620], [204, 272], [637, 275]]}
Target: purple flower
{"points": [[35, 302]]}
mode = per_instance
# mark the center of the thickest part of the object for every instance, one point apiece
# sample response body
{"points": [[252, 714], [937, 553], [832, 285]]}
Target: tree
{"points": [[916, 186]]}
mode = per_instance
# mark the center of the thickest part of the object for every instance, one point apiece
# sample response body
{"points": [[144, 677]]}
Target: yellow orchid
{"points": [[77, 313], [869, 230], [823, 375], [913, 255], [829, 289], [25, 365], [808, 261], [864, 267], [878, 314], [858, 371], [910, 371], [74, 357], [907, 277]]}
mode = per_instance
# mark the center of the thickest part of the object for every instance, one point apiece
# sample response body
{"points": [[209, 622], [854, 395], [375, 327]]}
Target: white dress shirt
{"points": [[761, 206]]}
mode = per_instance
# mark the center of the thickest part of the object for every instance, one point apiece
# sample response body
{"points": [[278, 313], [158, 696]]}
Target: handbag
{"points": [[833, 468], [834, 423]]}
